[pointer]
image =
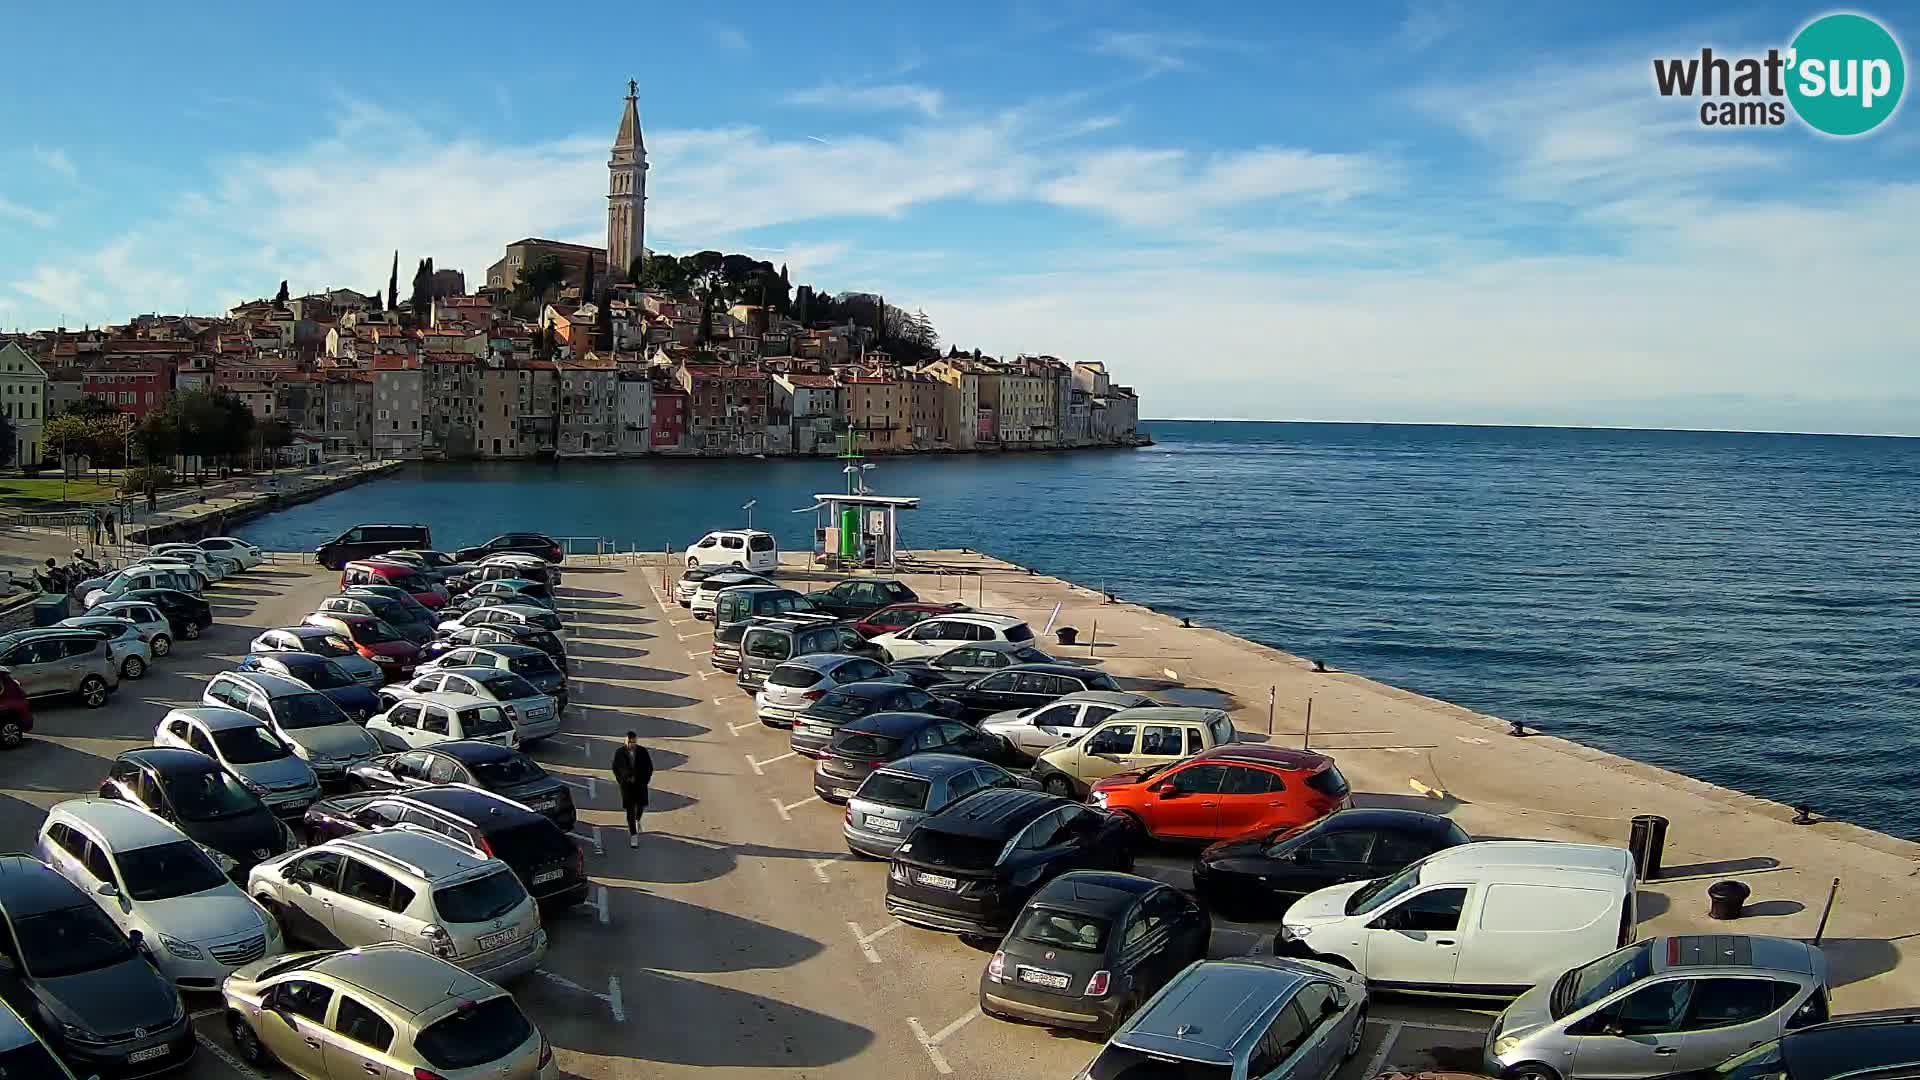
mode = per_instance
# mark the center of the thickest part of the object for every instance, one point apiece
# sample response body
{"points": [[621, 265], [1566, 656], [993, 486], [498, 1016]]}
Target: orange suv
{"points": [[1227, 791]]}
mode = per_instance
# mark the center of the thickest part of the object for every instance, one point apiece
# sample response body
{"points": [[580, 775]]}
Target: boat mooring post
{"points": [[1307, 735], [1832, 891]]}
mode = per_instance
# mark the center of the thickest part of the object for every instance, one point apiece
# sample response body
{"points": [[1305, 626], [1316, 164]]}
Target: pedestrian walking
{"points": [[93, 518], [111, 537], [633, 771]]}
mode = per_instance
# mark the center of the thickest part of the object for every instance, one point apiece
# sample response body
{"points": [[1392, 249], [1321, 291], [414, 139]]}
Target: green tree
{"points": [[92, 407], [157, 436], [666, 274], [422, 302], [71, 435], [280, 298], [546, 274], [586, 282], [393, 283]]}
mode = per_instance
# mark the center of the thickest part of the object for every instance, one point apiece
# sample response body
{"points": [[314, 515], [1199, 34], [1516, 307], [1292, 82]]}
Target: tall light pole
{"points": [[749, 509]]}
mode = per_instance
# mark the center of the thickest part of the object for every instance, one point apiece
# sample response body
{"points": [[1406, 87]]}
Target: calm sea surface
{"points": [[1741, 608]]}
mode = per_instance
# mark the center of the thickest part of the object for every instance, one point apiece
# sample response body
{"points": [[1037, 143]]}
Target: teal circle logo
{"points": [[1847, 74]]}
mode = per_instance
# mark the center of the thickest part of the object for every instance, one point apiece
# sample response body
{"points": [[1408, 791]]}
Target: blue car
{"points": [[323, 675]]}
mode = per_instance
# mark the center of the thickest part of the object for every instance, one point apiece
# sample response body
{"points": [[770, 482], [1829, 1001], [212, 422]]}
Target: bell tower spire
{"points": [[627, 192]]}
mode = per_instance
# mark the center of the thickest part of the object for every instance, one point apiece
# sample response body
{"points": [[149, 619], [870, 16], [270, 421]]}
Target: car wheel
{"points": [[10, 735], [1058, 785], [93, 691], [133, 668], [1359, 1036], [1531, 1070], [247, 1044], [190, 631], [161, 644]]}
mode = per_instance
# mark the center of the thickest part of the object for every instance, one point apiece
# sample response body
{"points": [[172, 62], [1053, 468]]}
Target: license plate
{"points": [[540, 713], [297, 804], [843, 793], [551, 875], [496, 939], [938, 881], [812, 729], [1044, 978], [148, 1054], [880, 824]]}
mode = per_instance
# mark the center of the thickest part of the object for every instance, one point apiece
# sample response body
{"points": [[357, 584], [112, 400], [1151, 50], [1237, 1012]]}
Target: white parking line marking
{"points": [[600, 902], [613, 998], [710, 674], [1386, 1047], [698, 655], [736, 729], [790, 807], [1425, 1026], [695, 634], [780, 809], [594, 840], [820, 866], [211, 1010], [865, 941], [932, 1042], [232, 1062], [591, 787], [758, 770]]}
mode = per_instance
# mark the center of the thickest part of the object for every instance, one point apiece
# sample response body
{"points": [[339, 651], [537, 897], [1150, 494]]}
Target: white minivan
{"points": [[1491, 918], [746, 549]]}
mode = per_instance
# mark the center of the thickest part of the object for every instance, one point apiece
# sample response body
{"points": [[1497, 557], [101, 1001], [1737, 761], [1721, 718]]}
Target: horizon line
{"points": [[1536, 427]]}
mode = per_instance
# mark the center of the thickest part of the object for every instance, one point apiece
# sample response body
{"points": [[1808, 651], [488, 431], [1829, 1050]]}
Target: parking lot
{"points": [[739, 934]]}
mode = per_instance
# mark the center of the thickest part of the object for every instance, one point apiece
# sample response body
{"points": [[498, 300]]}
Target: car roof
{"points": [[1093, 892], [1853, 1044], [453, 700], [1071, 671], [1552, 858], [304, 630], [170, 759], [1736, 951], [871, 688], [994, 813], [929, 766], [38, 632], [273, 685], [1191, 714], [891, 724], [471, 803], [1126, 699], [1379, 817], [1210, 1007], [474, 671], [985, 618], [1278, 757], [349, 617], [739, 532], [292, 659], [217, 717], [472, 751], [430, 853], [825, 661], [29, 887], [404, 976], [124, 827], [507, 649]]}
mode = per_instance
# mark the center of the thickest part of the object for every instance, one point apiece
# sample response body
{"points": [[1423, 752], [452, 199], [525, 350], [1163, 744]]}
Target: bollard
{"points": [[1066, 635], [1647, 838], [1726, 898]]}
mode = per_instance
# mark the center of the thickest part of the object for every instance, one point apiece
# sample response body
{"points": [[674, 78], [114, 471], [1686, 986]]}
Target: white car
{"points": [[130, 651], [534, 713], [170, 575], [239, 552], [747, 549], [195, 924], [533, 615], [706, 592], [443, 717], [152, 623], [249, 750], [934, 636], [211, 566]]}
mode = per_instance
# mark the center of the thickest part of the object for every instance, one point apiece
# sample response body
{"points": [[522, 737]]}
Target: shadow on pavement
{"points": [[688, 937]]}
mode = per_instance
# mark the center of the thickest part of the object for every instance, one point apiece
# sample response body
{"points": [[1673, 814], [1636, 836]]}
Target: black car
{"points": [[970, 661], [1879, 1047], [366, 541], [866, 744], [1256, 877], [358, 702], [813, 728], [520, 543], [1090, 948], [502, 770], [411, 618], [971, 867], [1023, 686], [545, 859], [187, 615], [67, 969], [856, 598], [497, 634], [200, 798]]}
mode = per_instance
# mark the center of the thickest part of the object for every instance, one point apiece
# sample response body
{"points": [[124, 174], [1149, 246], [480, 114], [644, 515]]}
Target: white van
{"points": [[1491, 918], [746, 549]]}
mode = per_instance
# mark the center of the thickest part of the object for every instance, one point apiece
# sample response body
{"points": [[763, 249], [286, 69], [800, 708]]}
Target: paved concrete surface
{"points": [[740, 937]]}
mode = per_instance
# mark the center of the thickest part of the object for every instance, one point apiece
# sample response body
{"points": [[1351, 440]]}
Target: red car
{"points": [[399, 575], [374, 639], [1227, 791], [900, 616], [16, 716]]}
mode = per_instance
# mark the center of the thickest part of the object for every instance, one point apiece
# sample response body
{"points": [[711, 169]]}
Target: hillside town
{"points": [[572, 351]]}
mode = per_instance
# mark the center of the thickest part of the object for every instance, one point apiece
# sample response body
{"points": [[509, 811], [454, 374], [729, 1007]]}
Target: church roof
{"points": [[630, 123]]}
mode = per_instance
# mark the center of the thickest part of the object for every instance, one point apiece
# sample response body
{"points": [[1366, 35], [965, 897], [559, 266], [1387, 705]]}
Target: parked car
{"points": [[1035, 730], [497, 634], [522, 543], [1128, 740], [23, 1053], [1023, 686], [768, 642], [863, 745], [100, 1000], [444, 717], [410, 579], [898, 795], [392, 612], [1255, 877], [1227, 791], [1865, 1047], [816, 724], [366, 541], [549, 863], [526, 661], [187, 614], [205, 564], [534, 715], [795, 684], [235, 550], [319, 641], [16, 713], [929, 638], [502, 770], [970, 868], [250, 752], [324, 737], [320, 674], [728, 637], [161, 885], [856, 598], [532, 616], [706, 591], [966, 662], [130, 652], [141, 578], [194, 794], [894, 617], [517, 590], [374, 639], [1661, 1006], [416, 611], [744, 549], [1491, 918], [436, 565], [61, 662], [1090, 948], [506, 568], [740, 603], [382, 1010], [690, 580], [152, 623], [1251, 1018]]}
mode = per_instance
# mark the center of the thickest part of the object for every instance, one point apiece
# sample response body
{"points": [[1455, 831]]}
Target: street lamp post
{"points": [[749, 509]]}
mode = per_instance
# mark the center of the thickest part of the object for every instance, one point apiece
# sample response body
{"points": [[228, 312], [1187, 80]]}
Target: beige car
{"points": [[386, 1011], [1131, 739]]}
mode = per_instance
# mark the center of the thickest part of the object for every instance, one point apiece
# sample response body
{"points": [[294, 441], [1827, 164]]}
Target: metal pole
{"points": [[1826, 911], [665, 561], [1093, 637], [1306, 736]]}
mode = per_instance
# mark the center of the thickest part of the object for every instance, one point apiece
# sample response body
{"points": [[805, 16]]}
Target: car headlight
{"points": [[220, 859], [897, 871], [1294, 932], [1505, 1044], [76, 1033], [185, 950], [254, 786]]}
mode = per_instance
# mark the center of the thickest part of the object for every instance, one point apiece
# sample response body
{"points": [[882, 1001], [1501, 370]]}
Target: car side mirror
{"points": [[1335, 1003], [1391, 920], [137, 939], [1167, 790], [109, 889]]}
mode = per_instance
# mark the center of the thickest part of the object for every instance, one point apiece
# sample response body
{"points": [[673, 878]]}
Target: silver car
{"points": [[798, 683], [535, 714], [321, 641], [247, 749], [1043, 727], [54, 661], [1659, 1006], [304, 718], [892, 800], [152, 623], [130, 651]]}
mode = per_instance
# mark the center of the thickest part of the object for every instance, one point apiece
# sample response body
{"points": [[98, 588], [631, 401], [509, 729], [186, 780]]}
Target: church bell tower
{"points": [[627, 192]]}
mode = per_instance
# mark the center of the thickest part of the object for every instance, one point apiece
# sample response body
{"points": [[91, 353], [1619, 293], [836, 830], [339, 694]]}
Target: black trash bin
{"points": [[1647, 840], [1727, 898], [1066, 634]]}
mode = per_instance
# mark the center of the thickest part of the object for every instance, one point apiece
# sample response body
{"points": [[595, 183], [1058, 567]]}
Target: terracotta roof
{"points": [[816, 382], [394, 362]]}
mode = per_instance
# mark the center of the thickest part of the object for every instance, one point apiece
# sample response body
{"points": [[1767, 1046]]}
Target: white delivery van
{"points": [[1490, 918], [744, 549]]}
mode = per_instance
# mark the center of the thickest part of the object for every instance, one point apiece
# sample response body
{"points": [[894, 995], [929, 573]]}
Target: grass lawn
{"points": [[43, 493]]}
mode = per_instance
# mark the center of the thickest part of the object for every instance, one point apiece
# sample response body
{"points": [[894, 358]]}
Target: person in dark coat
{"points": [[633, 771]]}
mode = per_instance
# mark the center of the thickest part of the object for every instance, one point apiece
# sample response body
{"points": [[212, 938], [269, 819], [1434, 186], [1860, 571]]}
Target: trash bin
{"points": [[1727, 897], [1647, 840], [1066, 634]]}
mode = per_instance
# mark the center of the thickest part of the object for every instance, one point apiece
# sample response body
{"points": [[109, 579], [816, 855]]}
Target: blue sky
{"points": [[1436, 211]]}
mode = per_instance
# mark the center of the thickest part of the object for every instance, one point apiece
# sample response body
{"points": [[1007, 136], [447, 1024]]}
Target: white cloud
{"points": [[13, 211], [55, 159], [1156, 52], [729, 38], [1160, 188], [884, 97], [1429, 22]]}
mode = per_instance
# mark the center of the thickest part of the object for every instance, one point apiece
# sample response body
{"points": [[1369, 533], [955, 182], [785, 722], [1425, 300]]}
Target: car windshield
{"points": [[474, 1035], [793, 675], [507, 686], [486, 720], [767, 645], [249, 745], [843, 704], [68, 941], [328, 645], [412, 583], [481, 899], [892, 789], [209, 795], [1067, 929], [957, 850], [167, 870], [532, 665], [1027, 654], [1019, 632], [1583, 986], [320, 676], [1381, 891], [543, 639], [860, 744], [307, 711], [1125, 1063], [373, 632], [1330, 782], [507, 771]]}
